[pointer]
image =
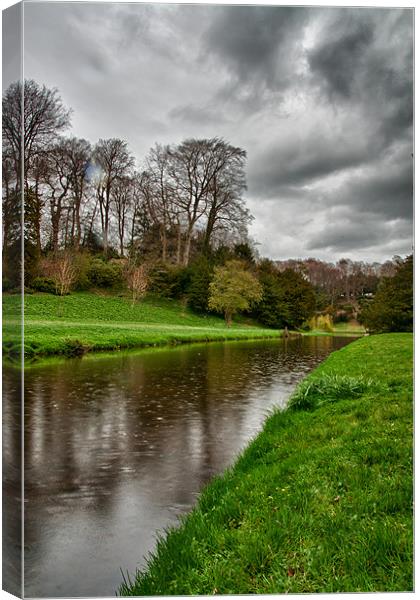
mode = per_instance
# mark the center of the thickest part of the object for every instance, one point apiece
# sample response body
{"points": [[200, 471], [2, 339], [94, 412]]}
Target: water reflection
{"points": [[117, 447]]}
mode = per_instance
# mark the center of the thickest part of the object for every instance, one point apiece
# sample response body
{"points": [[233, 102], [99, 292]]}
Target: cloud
{"points": [[346, 234], [320, 98], [257, 43]]}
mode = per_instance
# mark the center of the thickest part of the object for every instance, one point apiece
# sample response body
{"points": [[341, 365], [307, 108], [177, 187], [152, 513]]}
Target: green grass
{"points": [[87, 321], [320, 501]]}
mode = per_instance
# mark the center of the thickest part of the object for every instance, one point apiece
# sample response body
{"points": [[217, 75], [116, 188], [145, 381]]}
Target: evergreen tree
{"points": [[392, 308]]}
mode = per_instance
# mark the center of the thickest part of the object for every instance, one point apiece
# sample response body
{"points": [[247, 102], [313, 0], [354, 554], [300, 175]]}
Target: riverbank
{"points": [[88, 322], [321, 500]]}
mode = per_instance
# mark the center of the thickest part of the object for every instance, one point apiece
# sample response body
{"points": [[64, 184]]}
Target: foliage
{"points": [[320, 501], [104, 274], [168, 281], [7, 284], [322, 323], [233, 289], [44, 284], [392, 307], [198, 290], [287, 300]]}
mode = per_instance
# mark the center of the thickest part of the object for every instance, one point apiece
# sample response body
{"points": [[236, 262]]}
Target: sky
{"points": [[320, 99]]}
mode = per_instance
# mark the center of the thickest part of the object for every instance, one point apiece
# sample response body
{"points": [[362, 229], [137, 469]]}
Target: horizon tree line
{"points": [[183, 200], [76, 193]]}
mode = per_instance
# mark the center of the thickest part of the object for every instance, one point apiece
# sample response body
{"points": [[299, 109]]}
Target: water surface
{"points": [[117, 447]]}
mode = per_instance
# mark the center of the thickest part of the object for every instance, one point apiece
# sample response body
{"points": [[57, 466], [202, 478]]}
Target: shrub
{"points": [[392, 307], [7, 284], [200, 276], [312, 393], [288, 299], [137, 281], [104, 274], [341, 317], [82, 263], [168, 281], [44, 284], [321, 322]]}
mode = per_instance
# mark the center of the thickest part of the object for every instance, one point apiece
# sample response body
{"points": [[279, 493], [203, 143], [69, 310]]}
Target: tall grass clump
{"points": [[314, 392]]}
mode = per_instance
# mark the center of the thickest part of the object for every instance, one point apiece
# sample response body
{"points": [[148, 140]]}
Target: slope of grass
{"points": [[321, 500], [86, 321]]}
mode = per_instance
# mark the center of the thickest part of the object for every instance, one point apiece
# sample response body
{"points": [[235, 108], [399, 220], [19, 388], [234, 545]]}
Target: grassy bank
{"points": [[321, 501], [86, 321]]}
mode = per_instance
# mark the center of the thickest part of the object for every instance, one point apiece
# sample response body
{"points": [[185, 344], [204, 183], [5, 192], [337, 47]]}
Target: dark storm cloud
{"points": [[387, 192], [365, 57], [320, 98], [257, 43], [301, 161], [339, 60], [354, 233]]}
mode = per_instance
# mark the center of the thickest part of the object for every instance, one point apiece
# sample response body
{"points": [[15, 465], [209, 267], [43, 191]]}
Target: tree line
{"points": [[183, 198], [175, 224]]}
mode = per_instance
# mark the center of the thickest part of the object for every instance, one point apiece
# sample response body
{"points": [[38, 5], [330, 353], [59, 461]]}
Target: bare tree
{"points": [[138, 209], [194, 168], [137, 281], [158, 191], [62, 270], [79, 153], [113, 161], [44, 117], [226, 207], [58, 182], [122, 196]]}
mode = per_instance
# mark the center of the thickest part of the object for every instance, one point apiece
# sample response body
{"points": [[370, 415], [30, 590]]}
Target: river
{"points": [[117, 447]]}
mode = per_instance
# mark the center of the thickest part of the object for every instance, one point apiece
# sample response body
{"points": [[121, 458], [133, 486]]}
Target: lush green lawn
{"points": [[87, 321], [321, 501]]}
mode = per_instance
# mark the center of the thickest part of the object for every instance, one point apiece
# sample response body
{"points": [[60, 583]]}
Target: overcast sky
{"points": [[320, 98]]}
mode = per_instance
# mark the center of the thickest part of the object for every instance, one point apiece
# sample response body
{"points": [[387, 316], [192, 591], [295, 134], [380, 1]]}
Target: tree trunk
{"points": [[78, 227], [178, 245], [228, 318], [187, 247], [209, 229], [164, 240]]}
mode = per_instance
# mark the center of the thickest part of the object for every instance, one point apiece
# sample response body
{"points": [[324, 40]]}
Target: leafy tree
{"points": [[233, 289], [392, 308], [287, 299], [200, 276]]}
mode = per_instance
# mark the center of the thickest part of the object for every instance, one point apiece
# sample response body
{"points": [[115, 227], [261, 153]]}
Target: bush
{"points": [[391, 310], [168, 281], [7, 284], [288, 299], [341, 317], [200, 276], [104, 274], [313, 393], [44, 284], [321, 322], [82, 263]]}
